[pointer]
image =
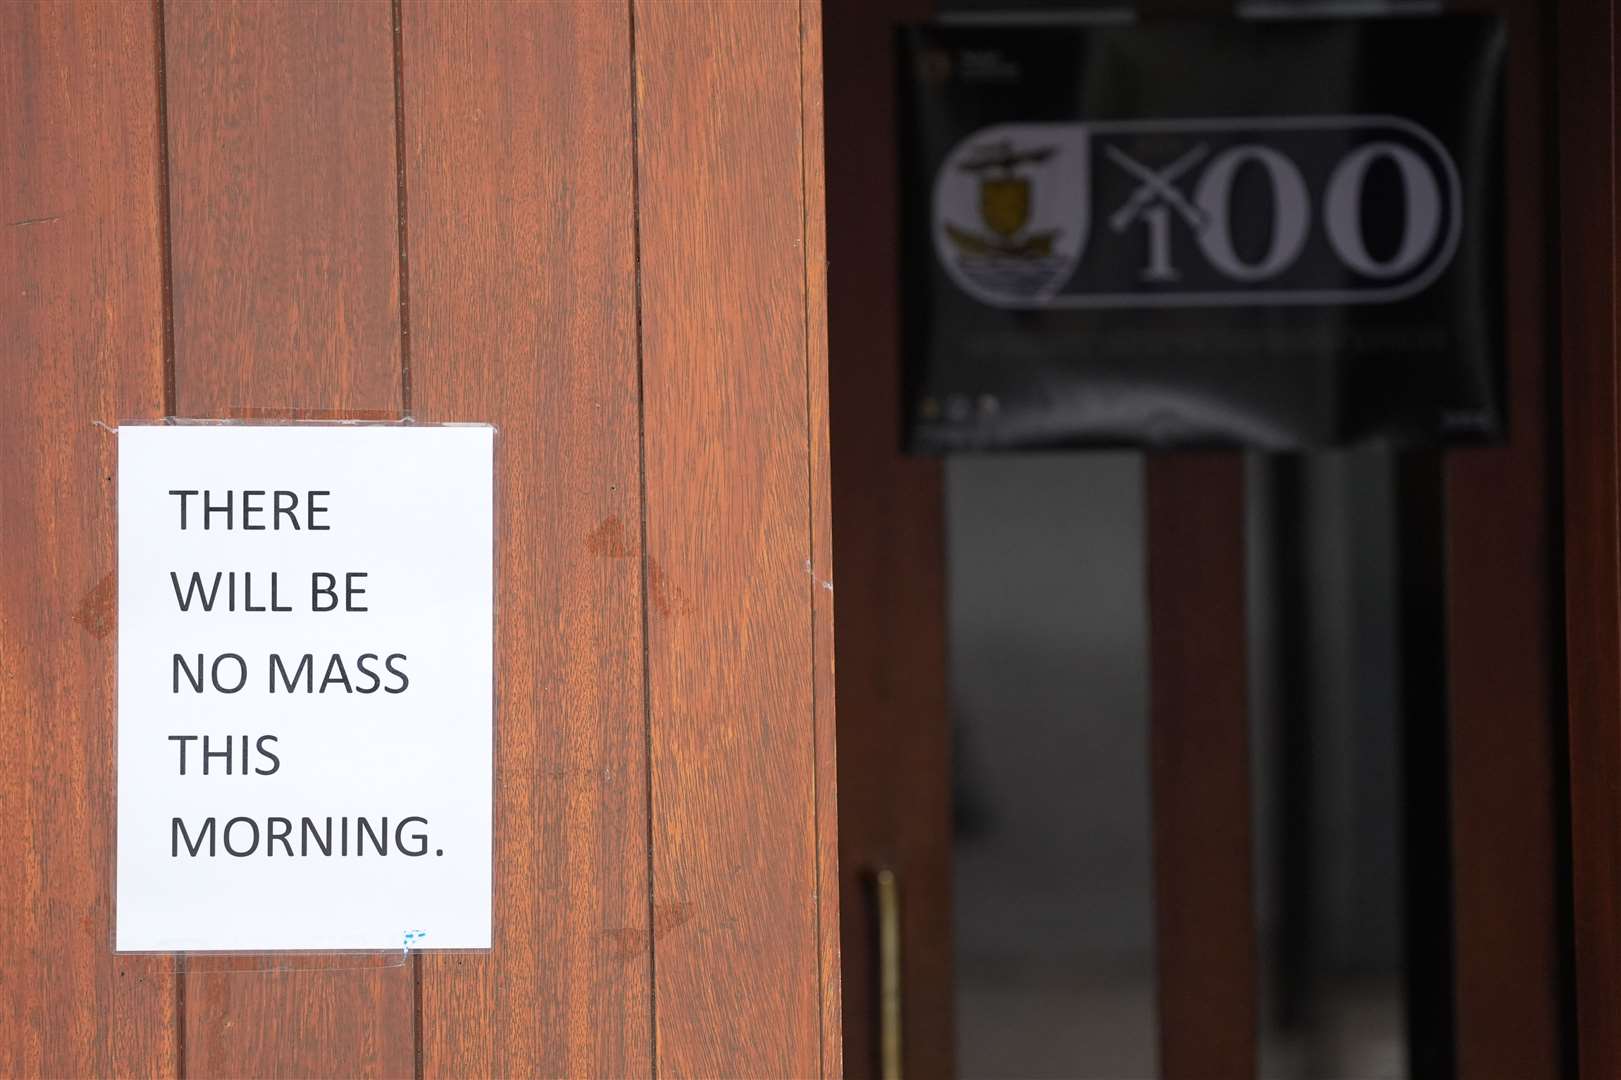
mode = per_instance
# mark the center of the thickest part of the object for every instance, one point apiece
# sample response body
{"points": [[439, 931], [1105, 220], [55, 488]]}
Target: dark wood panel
{"points": [[1501, 586], [1589, 199], [522, 298], [728, 477], [1199, 750], [894, 734], [81, 322], [1199, 757], [284, 248], [1429, 917]]}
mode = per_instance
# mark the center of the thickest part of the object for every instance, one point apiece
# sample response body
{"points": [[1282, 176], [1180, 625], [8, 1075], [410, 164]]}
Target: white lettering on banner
{"points": [[1013, 205]]}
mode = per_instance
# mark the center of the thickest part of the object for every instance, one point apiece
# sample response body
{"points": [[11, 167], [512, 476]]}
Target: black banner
{"points": [[1274, 234]]}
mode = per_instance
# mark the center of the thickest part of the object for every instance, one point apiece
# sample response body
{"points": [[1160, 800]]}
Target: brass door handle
{"points": [[889, 975]]}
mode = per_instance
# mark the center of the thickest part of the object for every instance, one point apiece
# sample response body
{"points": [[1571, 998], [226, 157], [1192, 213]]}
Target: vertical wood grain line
{"points": [[405, 406], [641, 479], [810, 544], [416, 1014], [166, 277], [166, 283], [405, 315], [813, 182]]}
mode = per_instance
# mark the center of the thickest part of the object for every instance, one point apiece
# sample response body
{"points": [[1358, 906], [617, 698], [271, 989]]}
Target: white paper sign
{"points": [[304, 687]]}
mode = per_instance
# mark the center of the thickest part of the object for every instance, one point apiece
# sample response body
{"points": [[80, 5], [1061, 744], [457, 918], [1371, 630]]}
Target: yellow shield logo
{"points": [[1004, 203]]}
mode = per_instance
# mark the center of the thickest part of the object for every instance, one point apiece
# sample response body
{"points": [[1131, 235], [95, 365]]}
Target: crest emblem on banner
{"points": [[1011, 211]]}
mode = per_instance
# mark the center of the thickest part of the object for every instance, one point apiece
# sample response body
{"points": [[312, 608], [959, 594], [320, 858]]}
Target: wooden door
{"points": [[889, 539], [1492, 977], [1590, 299], [597, 226]]}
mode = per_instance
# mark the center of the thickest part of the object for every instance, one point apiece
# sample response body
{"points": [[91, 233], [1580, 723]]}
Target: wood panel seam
{"points": [[166, 277], [1614, 391], [810, 542], [166, 291], [405, 306], [1614, 371], [405, 403], [641, 479]]}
